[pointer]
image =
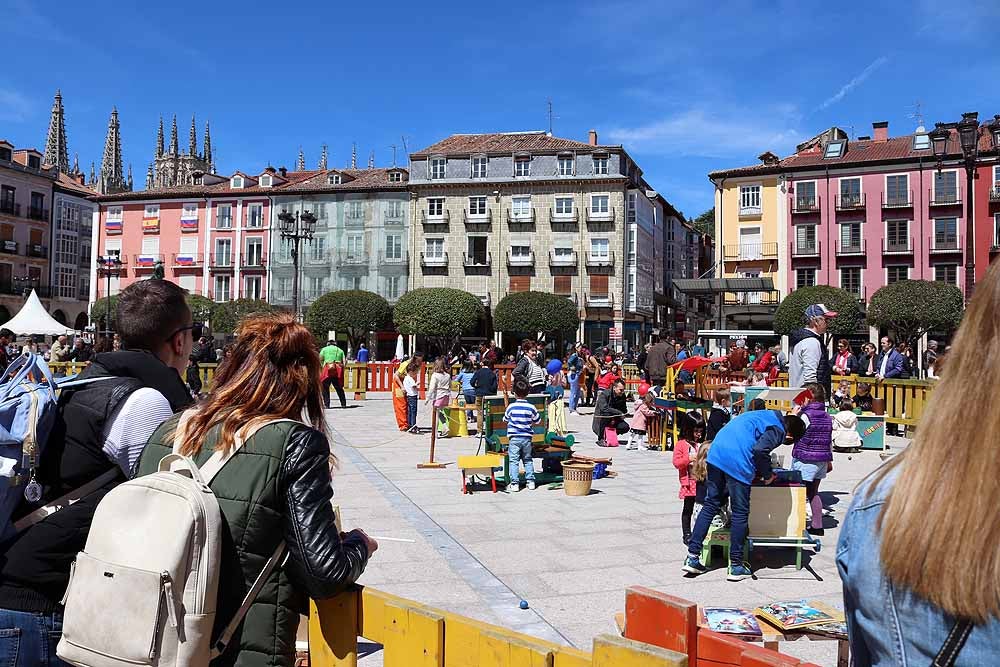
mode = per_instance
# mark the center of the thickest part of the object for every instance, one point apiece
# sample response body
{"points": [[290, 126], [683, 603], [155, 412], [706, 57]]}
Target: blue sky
{"points": [[685, 89]]}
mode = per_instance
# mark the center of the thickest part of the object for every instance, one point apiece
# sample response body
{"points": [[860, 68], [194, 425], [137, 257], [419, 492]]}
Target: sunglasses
{"points": [[195, 330]]}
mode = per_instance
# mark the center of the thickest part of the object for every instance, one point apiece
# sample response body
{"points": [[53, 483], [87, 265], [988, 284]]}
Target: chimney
{"points": [[282, 171], [880, 130], [80, 179], [592, 138]]}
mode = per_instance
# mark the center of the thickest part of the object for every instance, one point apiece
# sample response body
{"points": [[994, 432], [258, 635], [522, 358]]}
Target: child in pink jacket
{"points": [[685, 451], [637, 427]]}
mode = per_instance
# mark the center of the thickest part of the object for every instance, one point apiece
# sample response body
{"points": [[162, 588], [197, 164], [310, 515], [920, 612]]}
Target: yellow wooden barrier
{"points": [[413, 634]]}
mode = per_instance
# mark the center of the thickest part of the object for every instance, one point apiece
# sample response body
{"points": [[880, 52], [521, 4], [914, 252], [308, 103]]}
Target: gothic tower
{"points": [[56, 153], [112, 179], [159, 139], [173, 137], [193, 140], [300, 164], [172, 168], [322, 158], [208, 147]]}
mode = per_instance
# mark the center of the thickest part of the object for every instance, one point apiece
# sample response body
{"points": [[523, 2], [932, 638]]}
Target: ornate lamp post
{"points": [[24, 284], [968, 138], [111, 267], [296, 228]]}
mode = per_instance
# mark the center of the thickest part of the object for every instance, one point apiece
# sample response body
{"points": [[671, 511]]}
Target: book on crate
{"points": [[793, 614], [731, 620], [837, 629]]}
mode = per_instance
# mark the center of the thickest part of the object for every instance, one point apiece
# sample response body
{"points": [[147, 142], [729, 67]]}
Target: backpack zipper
{"points": [[166, 599]]}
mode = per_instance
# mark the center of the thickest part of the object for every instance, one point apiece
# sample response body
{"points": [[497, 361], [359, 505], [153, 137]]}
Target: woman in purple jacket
{"points": [[812, 455]]}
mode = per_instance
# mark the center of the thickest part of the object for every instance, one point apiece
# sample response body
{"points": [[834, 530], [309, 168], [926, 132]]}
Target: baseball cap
{"points": [[819, 310]]}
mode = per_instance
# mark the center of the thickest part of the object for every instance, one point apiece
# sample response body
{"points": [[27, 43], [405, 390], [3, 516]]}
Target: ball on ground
{"points": [[524, 604]]}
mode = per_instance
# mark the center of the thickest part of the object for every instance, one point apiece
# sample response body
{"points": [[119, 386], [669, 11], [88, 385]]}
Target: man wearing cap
{"points": [[809, 361]]}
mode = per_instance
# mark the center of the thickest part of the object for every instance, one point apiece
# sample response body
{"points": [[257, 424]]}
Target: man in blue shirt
{"points": [[363, 354], [520, 416], [740, 452]]}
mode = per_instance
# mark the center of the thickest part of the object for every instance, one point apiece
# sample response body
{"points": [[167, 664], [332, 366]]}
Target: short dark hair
{"points": [[7, 333], [795, 427], [149, 311], [521, 387], [757, 404], [818, 392]]}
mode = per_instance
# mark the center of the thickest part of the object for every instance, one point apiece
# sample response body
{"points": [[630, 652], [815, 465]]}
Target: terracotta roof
{"points": [[66, 182], [359, 179], [505, 143]]}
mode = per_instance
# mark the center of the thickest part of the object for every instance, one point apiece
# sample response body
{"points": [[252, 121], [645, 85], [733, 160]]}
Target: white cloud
{"points": [[710, 133], [14, 106], [854, 83]]}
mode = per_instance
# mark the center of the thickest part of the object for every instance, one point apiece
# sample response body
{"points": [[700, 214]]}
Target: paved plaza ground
{"points": [[570, 558]]}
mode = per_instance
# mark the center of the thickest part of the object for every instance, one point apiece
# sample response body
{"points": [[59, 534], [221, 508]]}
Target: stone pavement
{"points": [[570, 558]]}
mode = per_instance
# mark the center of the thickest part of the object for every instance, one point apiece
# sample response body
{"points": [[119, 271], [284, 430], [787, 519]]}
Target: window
{"points": [[805, 196], [479, 167], [151, 246], [354, 210], [114, 212], [805, 278], [34, 162], [520, 283], [185, 282], [224, 216], [600, 248], [356, 246], [189, 212], [315, 287], [356, 283], [395, 176], [520, 207], [253, 287], [189, 246], [317, 249], [284, 288], [564, 206], [223, 252], [394, 247], [255, 251], [394, 209], [265, 181], [750, 200], [113, 248], [945, 234], [520, 252], [895, 273], [333, 179], [223, 288], [921, 142], [897, 190], [477, 206], [850, 280], [522, 166], [255, 215], [566, 165], [601, 165], [5, 153], [600, 204], [599, 285], [392, 287], [897, 235], [834, 149], [434, 248], [805, 240], [237, 182], [946, 273], [435, 207], [751, 243], [152, 211], [563, 255], [996, 230], [7, 202], [563, 285], [946, 187], [850, 237], [437, 167], [850, 192], [996, 177], [477, 252]]}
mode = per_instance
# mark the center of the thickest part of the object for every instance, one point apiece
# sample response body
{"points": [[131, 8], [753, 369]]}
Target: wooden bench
{"points": [[483, 464], [497, 440]]}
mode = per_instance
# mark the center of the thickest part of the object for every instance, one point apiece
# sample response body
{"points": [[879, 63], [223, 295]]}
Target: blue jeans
{"points": [[29, 640], [716, 485], [470, 400], [411, 411], [519, 449], [574, 391]]}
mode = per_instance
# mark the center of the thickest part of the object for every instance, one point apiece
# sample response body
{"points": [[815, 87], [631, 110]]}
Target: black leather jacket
{"points": [[320, 562]]}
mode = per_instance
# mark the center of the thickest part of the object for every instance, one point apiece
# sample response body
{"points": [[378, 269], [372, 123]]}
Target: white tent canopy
{"points": [[34, 319]]}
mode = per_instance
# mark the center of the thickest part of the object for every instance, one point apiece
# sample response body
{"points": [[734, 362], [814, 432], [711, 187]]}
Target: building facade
{"points": [[72, 258], [508, 212], [172, 167]]}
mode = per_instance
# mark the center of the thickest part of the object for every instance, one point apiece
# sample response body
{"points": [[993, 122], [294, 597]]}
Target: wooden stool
{"points": [[717, 537], [483, 464]]}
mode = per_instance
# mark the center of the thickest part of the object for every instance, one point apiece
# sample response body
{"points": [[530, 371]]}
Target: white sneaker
{"points": [[531, 486], [512, 488], [631, 448]]}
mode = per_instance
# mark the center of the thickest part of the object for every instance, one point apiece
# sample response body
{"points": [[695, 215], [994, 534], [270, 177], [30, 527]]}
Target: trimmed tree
{"points": [[791, 313], [201, 307], [355, 312], [100, 309], [530, 312], [911, 308], [227, 316], [441, 314]]}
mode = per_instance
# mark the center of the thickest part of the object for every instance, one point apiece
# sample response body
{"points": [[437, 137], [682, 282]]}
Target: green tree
{"points": [[442, 314], [201, 307], [227, 316], [705, 223], [355, 312], [100, 308], [911, 308], [791, 313], [528, 312]]}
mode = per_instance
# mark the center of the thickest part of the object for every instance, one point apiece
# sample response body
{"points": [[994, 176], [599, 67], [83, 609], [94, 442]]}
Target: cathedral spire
{"points": [[159, 139], [208, 146], [371, 160], [354, 156], [93, 175], [173, 137], [300, 165], [193, 140], [76, 163], [56, 153], [149, 177], [129, 175], [322, 158], [112, 180]]}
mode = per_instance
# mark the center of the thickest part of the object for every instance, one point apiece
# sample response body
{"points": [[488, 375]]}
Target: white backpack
{"points": [[143, 591]]}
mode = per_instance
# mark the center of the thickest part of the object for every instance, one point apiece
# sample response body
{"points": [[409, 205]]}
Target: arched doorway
{"points": [[59, 316], [81, 322]]}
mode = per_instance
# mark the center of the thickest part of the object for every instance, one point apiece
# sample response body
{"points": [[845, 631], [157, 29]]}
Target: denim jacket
{"points": [[889, 626]]}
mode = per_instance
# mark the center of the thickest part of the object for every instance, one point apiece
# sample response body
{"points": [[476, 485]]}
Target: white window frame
{"points": [[861, 232], [897, 266], [747, 251], [996, 176], [861, 187], [392, 284], [218, 217], [251, 280], [354, 245], [317, 248], [479, 206], [906, 237], [354, 209], [906, 190], [560, 164], [236, 183], [189, 211], [431, 201], [151, 245], [394, 246], [251, 207], [594, 210], [804, 248], [222, 279], [596, 251], [934, 231], [188, 245], [519, 162], [518, 210], [334, 179], [151, 211], [257, 241], [437, 168], [815, 195], [476, 161], [114, 214], [265, 181], [437, 244], [934, 184], [748, 194], [996, 230], [602, 165], [395, 177], [520, 250], [562, 199], [861, 279], [228, 242]]}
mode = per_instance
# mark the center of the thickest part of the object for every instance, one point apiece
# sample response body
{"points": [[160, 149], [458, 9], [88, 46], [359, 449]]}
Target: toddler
{"points": [[685, 453], [843, 392], [521, 416], [845, 427], [637, 428], [411, 393]]}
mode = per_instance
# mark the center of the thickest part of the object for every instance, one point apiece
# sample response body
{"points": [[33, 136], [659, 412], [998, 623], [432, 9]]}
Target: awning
{"points": [[716, 285]]}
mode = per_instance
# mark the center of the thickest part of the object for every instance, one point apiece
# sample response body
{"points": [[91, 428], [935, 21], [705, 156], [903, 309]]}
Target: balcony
{"points": [[253, 261], [564, 219], [943, 198], [354, 219], [601, 261], [22, 287], [477, 220], [521, 261], [386, 260], [598, 217], [347, 260], [311, 257], [10, 208], [944, 244], [995, 194], [763, 298], [434, 261], [805, 205], [147, 262], [37, 251], [850, 248], [187, 260], [568, 295], [806, 249], [897, 246], [751, 211], [393, 219], [520, 217], [10, 248], [750, 251], [477, 260], [35, 213], [562, 259], [898, 200], [850, 202], [442, 218], [598, 300], [221, 261]]}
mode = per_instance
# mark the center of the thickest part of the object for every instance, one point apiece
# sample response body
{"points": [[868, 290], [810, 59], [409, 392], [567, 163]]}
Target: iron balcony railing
{"points": [[762, 298], [388, 260], [897, 200], [442, 218], [601, 260], [36, 250], [943, 198], [521, 260], [850, 202], [750, 251], [10, 208], [897, 246], [995, 193], [600, 216], [557, 218], [520, 218], [751, 211], [600, 300], [221, 260], [562, 259], [806, 249], [477, 260], [180, 260], [477, 218], [346, 259], [944, 243], [393, 219], [805, 204], [35, 213], [146, 262], [253, 260], [434, 260], [850, 247]]}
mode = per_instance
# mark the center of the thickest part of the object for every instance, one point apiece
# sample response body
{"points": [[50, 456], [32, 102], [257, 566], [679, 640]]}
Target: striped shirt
{"points": [[520, 416]]}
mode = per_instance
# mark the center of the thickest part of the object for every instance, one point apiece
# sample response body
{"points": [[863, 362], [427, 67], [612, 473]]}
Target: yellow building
{"points": [[751, 241]]}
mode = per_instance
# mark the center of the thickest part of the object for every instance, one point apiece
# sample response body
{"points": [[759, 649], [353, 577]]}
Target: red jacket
{"points": [[763, 364], [682, 461]]}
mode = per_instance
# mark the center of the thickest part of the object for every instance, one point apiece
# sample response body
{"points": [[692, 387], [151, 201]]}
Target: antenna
{"points": [[393, 147], [918, 114], [551, 116], [405, 149]]}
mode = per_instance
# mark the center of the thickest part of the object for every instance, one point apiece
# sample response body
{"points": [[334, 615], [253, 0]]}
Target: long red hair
{"points": [[272, 372]]}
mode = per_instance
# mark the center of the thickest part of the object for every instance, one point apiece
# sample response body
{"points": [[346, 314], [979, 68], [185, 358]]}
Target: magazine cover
{"points": [[836, 629], [795, 614], [732, 621]]}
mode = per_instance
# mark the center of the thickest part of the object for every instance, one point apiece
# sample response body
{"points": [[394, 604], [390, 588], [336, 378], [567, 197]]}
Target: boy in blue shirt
{"points": [[740, 452], [520, 417]]}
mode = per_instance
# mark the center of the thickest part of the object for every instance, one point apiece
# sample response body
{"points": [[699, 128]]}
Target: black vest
{"points": [[34, 568]]}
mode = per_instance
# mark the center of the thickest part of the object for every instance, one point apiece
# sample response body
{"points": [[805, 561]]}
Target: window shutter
{"points": [[563, 284], [599, 284], [520, 283]]}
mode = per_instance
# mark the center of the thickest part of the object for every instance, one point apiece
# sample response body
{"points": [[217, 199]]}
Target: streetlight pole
{"points": [[111, 267], [296, 228]]}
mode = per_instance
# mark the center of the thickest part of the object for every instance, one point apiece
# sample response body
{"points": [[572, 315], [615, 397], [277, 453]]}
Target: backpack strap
{"points": [[66, 500], [220, 644]]}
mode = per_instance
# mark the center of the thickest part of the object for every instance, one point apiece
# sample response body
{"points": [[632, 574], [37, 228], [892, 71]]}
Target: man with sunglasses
{"points": [[100, 430]]}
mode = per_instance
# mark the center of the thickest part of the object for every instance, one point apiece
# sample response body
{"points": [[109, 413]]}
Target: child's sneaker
{"points": [[531, 485], [739, 572], [692, 565], [512, 488]]}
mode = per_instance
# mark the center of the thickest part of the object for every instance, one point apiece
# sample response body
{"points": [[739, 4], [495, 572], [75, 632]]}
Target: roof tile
{"points": [[505, 142]]}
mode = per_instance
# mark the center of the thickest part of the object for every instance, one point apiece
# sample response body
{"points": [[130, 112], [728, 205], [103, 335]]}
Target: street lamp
{"points": [[23, 284], [111, 267], [296, 228]]}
